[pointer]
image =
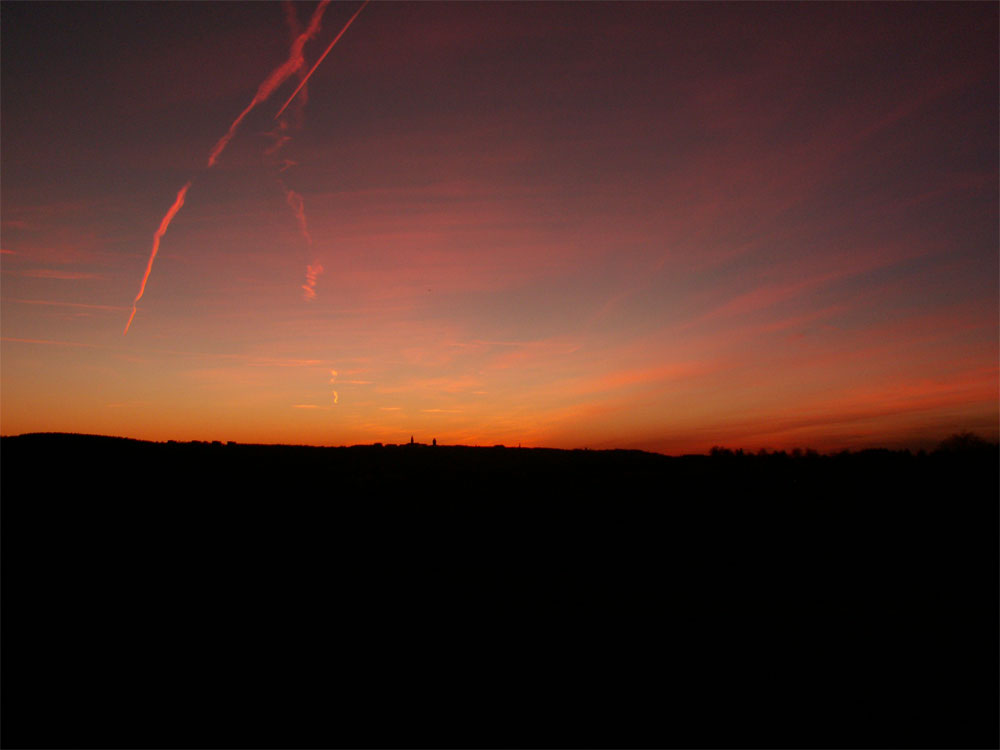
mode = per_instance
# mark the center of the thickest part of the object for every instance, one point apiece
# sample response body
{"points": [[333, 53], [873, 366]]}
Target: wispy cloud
{"points": [[456, 384], [246, 360], [49, 342], [278, 362], [298, 206], [67, 304], [49, 273]]}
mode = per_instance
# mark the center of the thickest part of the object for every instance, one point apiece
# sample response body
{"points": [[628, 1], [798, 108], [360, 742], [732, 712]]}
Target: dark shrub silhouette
{"points": [[966, 442]]}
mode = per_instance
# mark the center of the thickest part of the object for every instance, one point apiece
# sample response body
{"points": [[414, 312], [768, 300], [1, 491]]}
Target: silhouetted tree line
{"points": [[960, 443]]}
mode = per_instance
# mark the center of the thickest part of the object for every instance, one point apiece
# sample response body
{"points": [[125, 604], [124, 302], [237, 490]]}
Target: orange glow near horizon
{"points": [[656, 226]]}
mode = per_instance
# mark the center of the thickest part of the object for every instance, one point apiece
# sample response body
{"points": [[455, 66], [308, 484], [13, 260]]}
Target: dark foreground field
{"points": [[199, 595]]}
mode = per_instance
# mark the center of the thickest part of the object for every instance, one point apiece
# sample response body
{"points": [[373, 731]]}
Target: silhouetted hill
{"points": [[223, 595]]}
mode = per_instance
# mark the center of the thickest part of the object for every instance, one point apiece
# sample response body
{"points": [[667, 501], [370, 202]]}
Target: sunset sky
{"points": [[663, 226]]}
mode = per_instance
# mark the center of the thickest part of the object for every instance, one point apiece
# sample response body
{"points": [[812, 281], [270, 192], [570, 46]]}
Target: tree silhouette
{"points": [[965, 442]]}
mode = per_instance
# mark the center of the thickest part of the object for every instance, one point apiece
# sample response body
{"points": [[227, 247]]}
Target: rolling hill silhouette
{"points": [[224, 595]]}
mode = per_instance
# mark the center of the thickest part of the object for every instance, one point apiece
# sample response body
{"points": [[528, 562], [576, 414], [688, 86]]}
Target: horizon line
{"points": [[715, 450]]}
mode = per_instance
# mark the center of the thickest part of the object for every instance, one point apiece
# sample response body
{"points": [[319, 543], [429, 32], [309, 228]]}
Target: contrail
{"points": [[178, 202], [295, 202], [277, 77], [297, 205], [312, 273], [292, 17], [313, 69], [279, 139], [293, 199], [294, 62]]}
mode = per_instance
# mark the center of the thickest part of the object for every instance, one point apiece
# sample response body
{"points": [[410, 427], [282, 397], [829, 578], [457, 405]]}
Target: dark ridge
{"points": [[215, 594]]}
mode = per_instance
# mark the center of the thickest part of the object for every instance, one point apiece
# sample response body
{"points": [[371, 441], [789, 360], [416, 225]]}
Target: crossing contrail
{"points": [[164, 223], [278, 76], [325, 53]]}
